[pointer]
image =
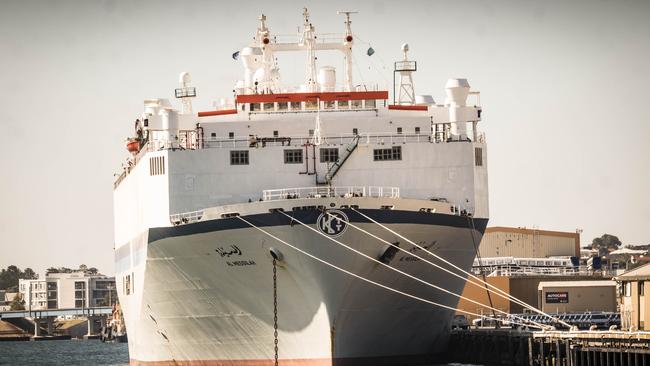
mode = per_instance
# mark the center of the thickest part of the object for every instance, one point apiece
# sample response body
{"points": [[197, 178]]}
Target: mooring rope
{"points": [[480, 283], [490, 307], [368, 280]]}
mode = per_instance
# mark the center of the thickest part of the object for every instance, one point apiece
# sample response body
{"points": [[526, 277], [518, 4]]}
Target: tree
{"points": [[17, 303], [83, 268], [605, 244], [29, 274], [92, 271]]}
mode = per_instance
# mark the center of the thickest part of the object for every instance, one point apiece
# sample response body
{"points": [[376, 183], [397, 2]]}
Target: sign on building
{"points": [[557, 297]]}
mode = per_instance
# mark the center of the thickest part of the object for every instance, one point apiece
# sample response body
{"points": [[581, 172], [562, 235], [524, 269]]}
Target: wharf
{"points": [[508, 347]]}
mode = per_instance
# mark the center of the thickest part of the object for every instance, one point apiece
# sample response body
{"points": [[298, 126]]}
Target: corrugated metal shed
{"points": [[528, 243]]}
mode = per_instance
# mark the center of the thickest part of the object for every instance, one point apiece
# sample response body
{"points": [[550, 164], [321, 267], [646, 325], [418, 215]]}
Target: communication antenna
{"points": [[186, 92], [348, 41], [405, 68]]}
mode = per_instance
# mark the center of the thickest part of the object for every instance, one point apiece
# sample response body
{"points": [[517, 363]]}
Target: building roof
{"points": [[639, 273], [598, 283], [520, 230]]}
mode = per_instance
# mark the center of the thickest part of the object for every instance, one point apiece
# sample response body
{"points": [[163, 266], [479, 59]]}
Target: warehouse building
{"points": [[526, 288], [577, 296], [528, 243]]}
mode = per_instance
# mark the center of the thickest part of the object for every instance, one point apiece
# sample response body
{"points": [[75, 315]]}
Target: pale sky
{"points": [[565, 89]]}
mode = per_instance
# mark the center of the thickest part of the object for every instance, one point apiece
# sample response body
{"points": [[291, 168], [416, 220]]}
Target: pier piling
{"points": [[504, 347]]}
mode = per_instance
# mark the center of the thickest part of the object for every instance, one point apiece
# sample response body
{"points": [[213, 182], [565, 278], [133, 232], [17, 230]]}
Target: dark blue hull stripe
{"points": [[310, 217]]}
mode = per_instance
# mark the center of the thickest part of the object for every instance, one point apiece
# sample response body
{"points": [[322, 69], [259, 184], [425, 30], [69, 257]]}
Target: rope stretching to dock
{"points": [[480, 283], [365, 279], [402, 272]]}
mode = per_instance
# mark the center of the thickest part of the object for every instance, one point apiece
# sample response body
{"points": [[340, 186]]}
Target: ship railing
{"points": [[299, 141], [323, 192], [186, 217], [510, 271]]}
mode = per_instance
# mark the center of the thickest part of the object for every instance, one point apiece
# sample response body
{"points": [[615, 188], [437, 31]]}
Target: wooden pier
{"points": [[507, 347]]}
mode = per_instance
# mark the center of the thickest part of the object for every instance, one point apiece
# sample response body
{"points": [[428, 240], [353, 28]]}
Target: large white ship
{"points": [[219, 257]]}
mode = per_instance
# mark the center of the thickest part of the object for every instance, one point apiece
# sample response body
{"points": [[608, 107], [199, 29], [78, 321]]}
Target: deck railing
{"points": [[322, 192]]}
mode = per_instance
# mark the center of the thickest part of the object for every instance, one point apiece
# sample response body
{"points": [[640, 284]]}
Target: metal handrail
{"points": [[321, 192]]}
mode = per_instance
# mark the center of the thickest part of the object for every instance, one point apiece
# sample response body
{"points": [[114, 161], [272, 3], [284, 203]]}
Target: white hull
{"points": [[193, 305]]}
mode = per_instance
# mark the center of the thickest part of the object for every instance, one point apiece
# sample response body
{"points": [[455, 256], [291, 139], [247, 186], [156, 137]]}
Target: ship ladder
{"points": [[349, 149]]}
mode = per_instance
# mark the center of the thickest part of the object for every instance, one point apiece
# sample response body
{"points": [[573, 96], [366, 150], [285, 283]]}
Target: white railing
{"points": [[186, 217], [322, 192]]}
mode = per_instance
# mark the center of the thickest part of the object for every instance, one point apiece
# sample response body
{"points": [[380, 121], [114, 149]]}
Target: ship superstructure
{"points": [[227, 221]]}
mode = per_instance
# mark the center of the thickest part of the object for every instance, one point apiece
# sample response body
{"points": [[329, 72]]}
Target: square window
{"points": [[399, 130], [329, 155], [417, 130], [275, 133], [231, 135], [355, 131], [239, 157], [394, 153], [213, 134], [293, 156]]}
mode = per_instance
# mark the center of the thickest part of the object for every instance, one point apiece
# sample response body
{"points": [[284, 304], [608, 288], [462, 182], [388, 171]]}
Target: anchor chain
{"points": [[275, 310]]}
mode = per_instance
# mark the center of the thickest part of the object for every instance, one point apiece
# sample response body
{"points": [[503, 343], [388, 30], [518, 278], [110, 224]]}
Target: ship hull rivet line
{"points": [[395, 269], [361, 277], [473, 277]]}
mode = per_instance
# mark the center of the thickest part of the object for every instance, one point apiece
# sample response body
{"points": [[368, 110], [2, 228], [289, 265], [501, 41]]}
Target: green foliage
{"points": [[9, 277], [605, 244]]}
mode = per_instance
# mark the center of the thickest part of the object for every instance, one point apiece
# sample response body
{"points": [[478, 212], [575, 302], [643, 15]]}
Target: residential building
{"points": [[68, 290], [632, 301]]}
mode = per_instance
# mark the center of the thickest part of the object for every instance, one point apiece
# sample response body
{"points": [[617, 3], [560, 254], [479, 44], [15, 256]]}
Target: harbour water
{"points": [[71, 352], [68, 353]]}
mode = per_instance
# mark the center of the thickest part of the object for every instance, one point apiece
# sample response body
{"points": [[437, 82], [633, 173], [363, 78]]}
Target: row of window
{"points": [[327, 155], [626, 288]]}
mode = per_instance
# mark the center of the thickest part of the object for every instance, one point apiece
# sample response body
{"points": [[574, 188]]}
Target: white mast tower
{"points": [[406, 68]]}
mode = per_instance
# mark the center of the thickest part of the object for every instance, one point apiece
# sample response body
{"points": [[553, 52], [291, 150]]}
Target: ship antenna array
{"points": [[400, 271], [371, 281]]}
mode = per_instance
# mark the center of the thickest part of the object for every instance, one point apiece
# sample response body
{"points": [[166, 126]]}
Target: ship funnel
{"points": [[457, 91], [327, 78]]}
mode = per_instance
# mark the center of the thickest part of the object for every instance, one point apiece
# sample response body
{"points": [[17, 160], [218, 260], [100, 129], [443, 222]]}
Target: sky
{"points": [[564, 87]]}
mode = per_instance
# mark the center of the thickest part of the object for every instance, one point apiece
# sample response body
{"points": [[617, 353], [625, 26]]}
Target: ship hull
{"points": [[204, 292]]}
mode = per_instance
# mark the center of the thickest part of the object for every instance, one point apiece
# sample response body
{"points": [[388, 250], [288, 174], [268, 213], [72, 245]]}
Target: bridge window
{"points": [[417, 130], [293, 156], [275, 133], [231, 135], [355, 131], [213, 135], [311, 104], [399, 130], [394, 153], [268, 106], [239, 157], [329, 104], [371, 103], [343, 104], [283, 106], [295, 106], [254, 107], [329, 155]]}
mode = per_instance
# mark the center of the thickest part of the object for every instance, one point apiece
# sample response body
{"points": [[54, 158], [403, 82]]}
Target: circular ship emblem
{"points": [[332, 222]]}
